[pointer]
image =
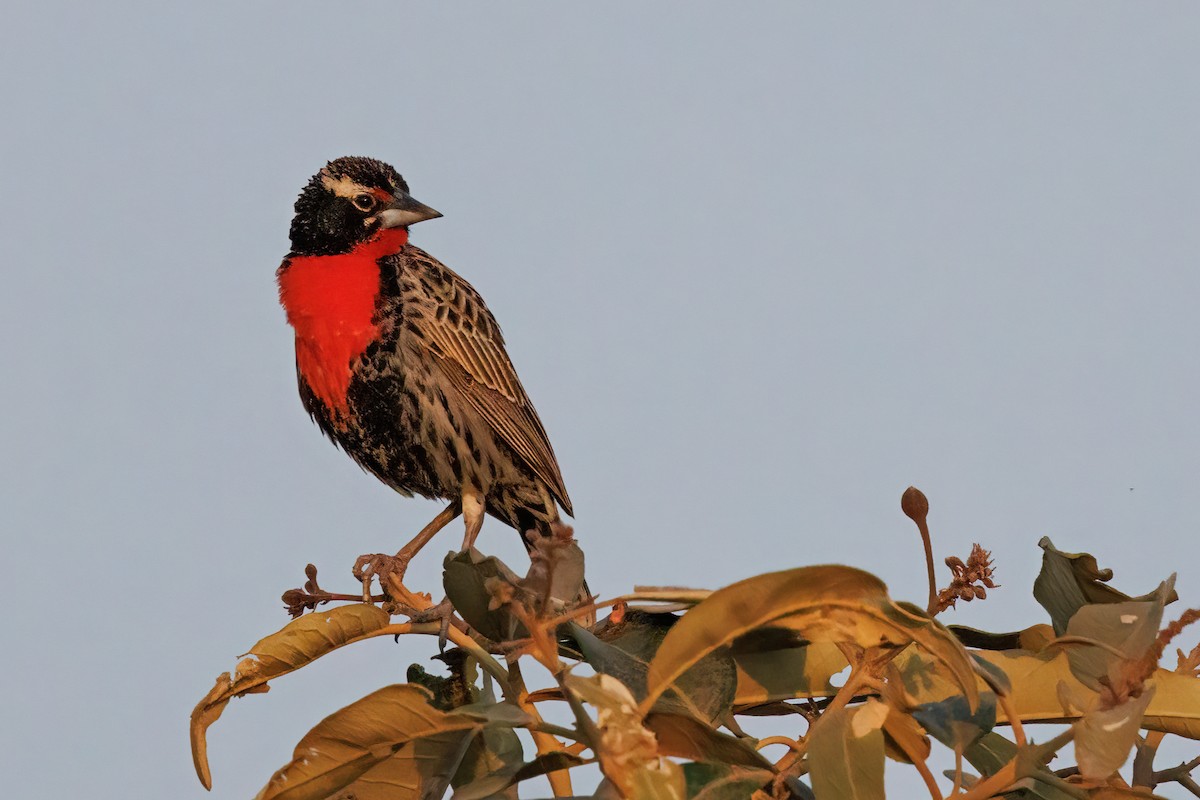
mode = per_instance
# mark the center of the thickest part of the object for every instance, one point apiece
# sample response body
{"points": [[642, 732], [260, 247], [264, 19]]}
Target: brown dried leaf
{"points": [[299, 642], [392, 739]]}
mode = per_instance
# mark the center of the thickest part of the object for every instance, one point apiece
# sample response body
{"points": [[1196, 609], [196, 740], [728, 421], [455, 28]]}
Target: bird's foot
{"points": [[442, 613], [389, 571]]}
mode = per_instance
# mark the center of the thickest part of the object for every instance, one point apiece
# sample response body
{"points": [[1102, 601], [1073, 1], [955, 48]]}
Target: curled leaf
{"points": [[300, 642], [1069, 581]]}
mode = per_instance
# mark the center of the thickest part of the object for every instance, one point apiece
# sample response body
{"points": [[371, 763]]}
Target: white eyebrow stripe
{"points": [[343, 186]]}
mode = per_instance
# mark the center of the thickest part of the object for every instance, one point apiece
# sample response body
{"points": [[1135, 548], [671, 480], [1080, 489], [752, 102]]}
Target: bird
{"points": [[402, 366]]}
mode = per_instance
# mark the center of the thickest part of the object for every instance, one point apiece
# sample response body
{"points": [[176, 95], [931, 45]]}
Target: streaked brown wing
{"points": [[463, 335]]}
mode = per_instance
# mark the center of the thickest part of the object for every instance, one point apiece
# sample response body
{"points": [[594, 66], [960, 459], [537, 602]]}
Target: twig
{"points": [[915, 506], [918, 761], [1176, 772], [1143, 759], [1014, 719], [1000, 780], [790, 764], [485, 660], [784, 740]]}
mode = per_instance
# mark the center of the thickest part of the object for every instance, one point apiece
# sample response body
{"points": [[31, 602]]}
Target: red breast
{"points": [[330, 301]]}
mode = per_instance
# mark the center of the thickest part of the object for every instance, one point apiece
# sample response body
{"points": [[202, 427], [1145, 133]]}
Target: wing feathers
{"points": [[469, 349]]}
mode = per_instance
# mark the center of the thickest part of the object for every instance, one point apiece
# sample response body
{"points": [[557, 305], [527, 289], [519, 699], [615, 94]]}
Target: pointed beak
{"points": [[404, 210]]}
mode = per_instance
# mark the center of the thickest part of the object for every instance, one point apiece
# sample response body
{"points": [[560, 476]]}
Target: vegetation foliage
{"points": [[672, 671]]}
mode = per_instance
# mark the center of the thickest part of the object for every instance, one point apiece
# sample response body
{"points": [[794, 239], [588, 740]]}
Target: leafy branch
{"points": [[675, 669]]}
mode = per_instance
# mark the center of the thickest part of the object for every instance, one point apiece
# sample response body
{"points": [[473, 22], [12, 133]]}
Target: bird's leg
{"points": [[378, 565], [472, 510], [448, 515]]}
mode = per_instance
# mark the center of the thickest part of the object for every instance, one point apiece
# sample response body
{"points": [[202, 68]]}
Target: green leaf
{"points": [[995, 678], [785, 672], [845, 753], [464, 575], [300, 642], [493, 751], [1103, 738], [824, 603], [1069, 581], [953, 723], [624, 651], [501, 781], [991, 752], [1127, 630], [720, 782]]}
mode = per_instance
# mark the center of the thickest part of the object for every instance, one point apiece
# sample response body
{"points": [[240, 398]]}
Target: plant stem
{"points": [[915, 506], [560, 780], [1014, 719], [1143, 759], [485, 660], [1004, 777]]}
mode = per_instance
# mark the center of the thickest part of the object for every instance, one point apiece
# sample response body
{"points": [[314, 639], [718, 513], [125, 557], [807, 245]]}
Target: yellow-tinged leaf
{"points": [[359, 744], [869, 717], [1041, 680], [824, 603], [300, 642], [786, 674], [659, 780]]}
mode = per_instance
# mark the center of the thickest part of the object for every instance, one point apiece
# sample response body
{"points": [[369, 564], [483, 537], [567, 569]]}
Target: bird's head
{"points": [[351, 201]]}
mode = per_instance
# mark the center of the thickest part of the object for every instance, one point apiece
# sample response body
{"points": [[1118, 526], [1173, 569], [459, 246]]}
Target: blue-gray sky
{"points": [[760, 266]]}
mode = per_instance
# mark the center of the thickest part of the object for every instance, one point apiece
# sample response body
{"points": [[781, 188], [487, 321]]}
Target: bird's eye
{"points": [[363, 202]]}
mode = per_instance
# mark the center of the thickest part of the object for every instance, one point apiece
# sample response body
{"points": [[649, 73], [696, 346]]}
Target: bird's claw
{"points": [[388, 570], [442, 613]]}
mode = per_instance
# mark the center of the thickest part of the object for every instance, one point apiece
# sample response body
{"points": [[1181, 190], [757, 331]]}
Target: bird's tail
{"points": [[537, 523]]}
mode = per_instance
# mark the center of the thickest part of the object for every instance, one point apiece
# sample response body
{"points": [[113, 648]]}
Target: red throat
{"points": [[330, 301]]}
